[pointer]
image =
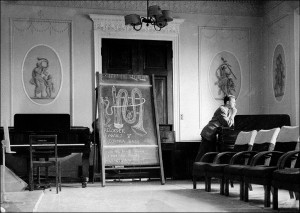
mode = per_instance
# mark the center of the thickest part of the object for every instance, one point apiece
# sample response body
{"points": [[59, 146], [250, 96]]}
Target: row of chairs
{"points": [[258, 157]]}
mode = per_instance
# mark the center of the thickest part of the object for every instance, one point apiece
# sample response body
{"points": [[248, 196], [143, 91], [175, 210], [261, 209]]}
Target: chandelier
{"points": [[155, 16]]}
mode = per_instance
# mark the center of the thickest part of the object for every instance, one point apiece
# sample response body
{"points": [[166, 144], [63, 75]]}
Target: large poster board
{"points": [[128, 123]]}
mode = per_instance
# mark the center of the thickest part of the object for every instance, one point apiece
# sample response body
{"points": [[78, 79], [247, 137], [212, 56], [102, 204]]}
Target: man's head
{"points": [[229, 101]]}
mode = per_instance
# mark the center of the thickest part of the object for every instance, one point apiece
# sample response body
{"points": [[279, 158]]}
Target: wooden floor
{"points": [[142, 196]]}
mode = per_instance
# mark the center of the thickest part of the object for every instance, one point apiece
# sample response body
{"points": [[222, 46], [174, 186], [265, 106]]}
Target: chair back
{"points": [[287, 140], [43, 146], [244, 141], [265, 140]]}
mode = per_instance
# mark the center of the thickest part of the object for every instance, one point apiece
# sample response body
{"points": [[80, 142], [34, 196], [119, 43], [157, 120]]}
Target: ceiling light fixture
{"points": [[155, 16]]}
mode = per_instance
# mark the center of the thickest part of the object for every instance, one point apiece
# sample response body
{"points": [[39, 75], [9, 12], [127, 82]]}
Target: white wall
{"points": [[281, 28], [196, 103], [76, 61]]}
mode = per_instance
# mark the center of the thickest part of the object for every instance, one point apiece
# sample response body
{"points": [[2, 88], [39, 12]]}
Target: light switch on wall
{"points": [[181, 116]]}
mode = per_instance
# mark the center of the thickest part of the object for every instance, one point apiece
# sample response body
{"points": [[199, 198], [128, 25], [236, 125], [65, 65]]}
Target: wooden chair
{"points": [[286, 176], [42, 148], [261, 174]]}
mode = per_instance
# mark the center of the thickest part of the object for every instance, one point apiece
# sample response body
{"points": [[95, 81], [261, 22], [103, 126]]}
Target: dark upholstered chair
{"points": [[264, 141], [286, 178], [243, 142], [287, 140], [199, 167]]}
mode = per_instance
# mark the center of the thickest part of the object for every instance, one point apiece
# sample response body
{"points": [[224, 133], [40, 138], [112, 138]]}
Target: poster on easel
{"points": [[128, 134]]}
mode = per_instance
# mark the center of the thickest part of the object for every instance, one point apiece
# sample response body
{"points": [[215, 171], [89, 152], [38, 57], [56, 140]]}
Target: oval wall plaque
{"points": [[224, 75], [279, 72], [42, 74]]}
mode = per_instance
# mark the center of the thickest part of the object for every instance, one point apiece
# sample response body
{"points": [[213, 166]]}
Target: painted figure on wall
{"points": [[225, 79], [42, 79], [279, 77]]}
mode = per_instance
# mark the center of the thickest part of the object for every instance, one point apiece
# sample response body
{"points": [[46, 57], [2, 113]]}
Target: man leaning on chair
{"points": [[223, 117]]}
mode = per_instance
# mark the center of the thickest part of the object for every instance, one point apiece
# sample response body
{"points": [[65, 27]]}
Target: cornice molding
{"points": [[115, 23], [209, 7]]}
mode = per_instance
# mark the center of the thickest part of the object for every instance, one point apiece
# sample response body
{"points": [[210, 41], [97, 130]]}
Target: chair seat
{"points": [[199, 168], [216, 168], [288, 175], [259, 171], [43, 163], [234, 169], [287, 178]]}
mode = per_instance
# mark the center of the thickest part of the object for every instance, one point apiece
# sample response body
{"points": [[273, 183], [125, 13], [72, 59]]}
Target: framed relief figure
{"points": [[279, 72], [42, 74], [224, 75]]}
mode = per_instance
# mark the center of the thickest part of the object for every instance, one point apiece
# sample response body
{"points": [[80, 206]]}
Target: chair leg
{"points": [[275, 198], [208, 183], [226, 187], [222, 182], [291, 194], [267, 201], [194, 182], [30, 177], [46, 174], [244, 191], [56, 177], [297, 195], [38, 171], [59, 173]]}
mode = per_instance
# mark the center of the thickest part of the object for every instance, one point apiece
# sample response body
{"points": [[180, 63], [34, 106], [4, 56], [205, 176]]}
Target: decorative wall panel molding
{"points": [[213, 7], [41, 66], [279, 70], [224, 68]]}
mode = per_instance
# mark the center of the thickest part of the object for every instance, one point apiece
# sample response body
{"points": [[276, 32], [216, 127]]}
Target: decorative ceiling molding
{"points": [[210, 7], [113, 23]]}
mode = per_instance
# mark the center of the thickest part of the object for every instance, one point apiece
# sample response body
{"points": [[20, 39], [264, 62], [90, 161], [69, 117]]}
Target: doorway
{"points": [[143, 57]]}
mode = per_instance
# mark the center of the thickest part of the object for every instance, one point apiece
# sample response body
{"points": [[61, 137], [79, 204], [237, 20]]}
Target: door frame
{"points": [[113, 26]]}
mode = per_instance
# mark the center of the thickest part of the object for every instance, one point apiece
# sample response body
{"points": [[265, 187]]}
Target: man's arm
{"points": [[232, 115], [225, 119]]}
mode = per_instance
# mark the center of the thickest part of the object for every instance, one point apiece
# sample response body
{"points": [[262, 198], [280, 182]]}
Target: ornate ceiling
{"points": [[216, 7]]}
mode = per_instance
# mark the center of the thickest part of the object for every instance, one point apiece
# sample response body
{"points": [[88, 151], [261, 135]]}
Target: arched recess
{"points": [[113, 26]]}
